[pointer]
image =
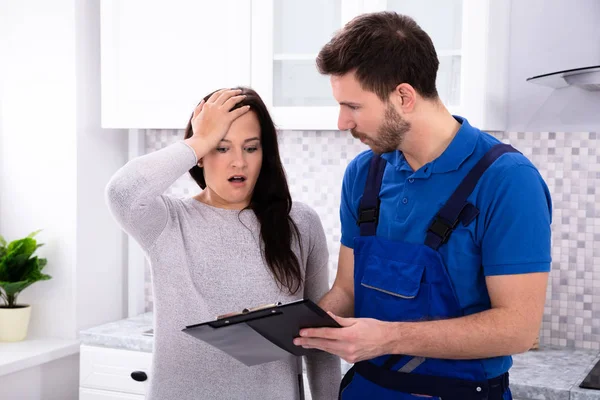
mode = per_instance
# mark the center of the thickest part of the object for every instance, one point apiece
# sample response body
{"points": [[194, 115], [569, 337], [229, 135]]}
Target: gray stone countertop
{"points": [[551, 373], [124, 334]]}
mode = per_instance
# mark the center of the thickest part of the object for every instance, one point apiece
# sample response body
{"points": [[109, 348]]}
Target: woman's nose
{"points": [[239, 160]]}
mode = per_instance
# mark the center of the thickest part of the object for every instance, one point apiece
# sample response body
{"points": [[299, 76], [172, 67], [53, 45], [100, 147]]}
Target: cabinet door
{"points": [[159, 58], [91, 394], [471, 40], [286, 38], [110, 369]]}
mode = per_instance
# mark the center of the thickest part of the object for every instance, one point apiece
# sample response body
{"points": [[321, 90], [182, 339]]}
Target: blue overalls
{"points": [[397, 281]]}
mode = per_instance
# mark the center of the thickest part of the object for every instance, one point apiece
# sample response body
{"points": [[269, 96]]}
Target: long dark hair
{"points": [[271, 200]]}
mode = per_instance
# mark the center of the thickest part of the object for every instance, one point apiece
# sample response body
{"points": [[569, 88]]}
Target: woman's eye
{"points": [[251, 149], [221, 149]]}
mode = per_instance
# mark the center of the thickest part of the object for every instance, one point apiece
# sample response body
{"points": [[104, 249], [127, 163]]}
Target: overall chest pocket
{"points": [[393, 290]]}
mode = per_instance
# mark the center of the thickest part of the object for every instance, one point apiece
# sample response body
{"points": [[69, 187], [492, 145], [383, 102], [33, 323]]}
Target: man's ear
{"points": [[404, 97]]}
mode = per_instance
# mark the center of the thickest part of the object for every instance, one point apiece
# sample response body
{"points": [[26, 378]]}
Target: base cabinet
{"points": [[107, 374]]}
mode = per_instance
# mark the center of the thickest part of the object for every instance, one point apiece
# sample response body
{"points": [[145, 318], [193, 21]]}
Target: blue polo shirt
{"points": [[511, 235]]}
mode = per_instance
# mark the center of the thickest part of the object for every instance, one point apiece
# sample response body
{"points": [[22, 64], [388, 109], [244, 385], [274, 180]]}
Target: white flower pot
{"points": [[14, 323]]}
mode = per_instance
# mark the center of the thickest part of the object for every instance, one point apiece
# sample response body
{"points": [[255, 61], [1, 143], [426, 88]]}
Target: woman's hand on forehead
{"points": [[212, 119]]}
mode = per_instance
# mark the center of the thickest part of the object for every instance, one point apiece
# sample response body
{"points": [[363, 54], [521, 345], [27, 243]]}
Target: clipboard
{"points": [[263, 334]]}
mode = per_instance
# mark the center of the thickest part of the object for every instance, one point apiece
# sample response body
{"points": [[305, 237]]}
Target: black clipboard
{"points": [[265, 334]]}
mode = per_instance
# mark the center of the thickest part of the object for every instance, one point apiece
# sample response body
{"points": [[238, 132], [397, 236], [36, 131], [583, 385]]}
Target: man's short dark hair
{"points": [[384, 49]]}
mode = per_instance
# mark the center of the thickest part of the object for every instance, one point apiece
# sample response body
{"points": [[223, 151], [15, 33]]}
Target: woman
{"points": [[239, 243]]}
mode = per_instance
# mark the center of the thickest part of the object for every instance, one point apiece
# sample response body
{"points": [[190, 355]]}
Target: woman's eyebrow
{"points": [[245, 141]]}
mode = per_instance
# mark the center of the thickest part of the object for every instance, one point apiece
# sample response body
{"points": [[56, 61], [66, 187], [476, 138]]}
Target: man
{"points": [[445, 247]]}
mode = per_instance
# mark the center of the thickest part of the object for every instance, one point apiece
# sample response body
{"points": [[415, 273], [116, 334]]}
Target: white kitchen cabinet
{"points": [[443, 21], [286, 38], [106, 373], [91, 394], [471, 39], [470, 36], [159, 58]]}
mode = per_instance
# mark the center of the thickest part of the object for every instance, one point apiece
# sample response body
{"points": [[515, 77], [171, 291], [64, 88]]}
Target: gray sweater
{"points": [[206, 261]]}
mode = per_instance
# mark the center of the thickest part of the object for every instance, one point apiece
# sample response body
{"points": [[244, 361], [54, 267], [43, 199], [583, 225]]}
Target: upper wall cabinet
{"points": [[159, 58], [286, 38], [470, 36]]}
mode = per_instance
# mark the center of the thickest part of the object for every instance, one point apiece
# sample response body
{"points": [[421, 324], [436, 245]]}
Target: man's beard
{"points": [[390, 134]]}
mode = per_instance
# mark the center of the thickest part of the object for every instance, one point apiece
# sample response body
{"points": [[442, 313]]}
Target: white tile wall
{"points": [[569, 162]]}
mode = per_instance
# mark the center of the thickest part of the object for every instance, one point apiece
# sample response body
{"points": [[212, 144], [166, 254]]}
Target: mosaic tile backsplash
{"points": [[569, 162]]}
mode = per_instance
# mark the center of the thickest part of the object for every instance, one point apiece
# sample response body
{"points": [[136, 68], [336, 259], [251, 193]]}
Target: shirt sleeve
{"points": [[348, 206], [516, 234], [135, 192]]}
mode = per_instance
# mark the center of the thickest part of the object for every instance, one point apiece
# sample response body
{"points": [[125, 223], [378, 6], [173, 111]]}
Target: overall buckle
{"points": [[368, 215], [442, 228]]}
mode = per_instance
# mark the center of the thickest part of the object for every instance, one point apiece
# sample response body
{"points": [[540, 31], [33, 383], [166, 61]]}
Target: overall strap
{"points": [[368, 212], [443, 387], [457, 209]]}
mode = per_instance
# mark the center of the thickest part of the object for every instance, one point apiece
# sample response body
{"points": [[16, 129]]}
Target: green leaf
{"points": [[19, 268], [25, 246], [43, 277], [30, 268], [14, 288], [32, 234], [2, 241]]}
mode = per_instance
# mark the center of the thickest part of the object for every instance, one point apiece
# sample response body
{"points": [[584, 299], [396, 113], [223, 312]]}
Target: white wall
{"points": [[56, 380], [548, 36], [55, 161], [38, 183], [101, 282]]}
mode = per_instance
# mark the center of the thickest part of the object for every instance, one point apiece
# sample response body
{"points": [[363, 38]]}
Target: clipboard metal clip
{"points": [[248, 310]]}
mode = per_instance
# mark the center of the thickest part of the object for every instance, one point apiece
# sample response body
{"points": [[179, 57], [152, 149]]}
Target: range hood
{"points": [[587, 78]]}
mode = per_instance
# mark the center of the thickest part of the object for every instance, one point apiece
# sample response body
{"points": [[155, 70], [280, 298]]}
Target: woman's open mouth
{"points": [[237, 180]]}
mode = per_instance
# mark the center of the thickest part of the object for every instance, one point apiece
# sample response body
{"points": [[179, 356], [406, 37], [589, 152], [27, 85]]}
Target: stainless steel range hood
{"points": [[587, 78]]}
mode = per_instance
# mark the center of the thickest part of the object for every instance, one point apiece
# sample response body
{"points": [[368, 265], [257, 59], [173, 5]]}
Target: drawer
{"points": [[93, 394], [110, 369]]}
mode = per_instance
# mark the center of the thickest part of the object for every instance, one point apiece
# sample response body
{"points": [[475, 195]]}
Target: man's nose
{"points": [[345, 123]]}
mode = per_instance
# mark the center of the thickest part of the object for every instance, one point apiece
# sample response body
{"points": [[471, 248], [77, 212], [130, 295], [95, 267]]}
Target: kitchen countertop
{"points": [[124, 334], [551, 373]]}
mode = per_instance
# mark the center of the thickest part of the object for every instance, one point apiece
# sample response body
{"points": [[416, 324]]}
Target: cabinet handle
{"points": [[139, 376]]}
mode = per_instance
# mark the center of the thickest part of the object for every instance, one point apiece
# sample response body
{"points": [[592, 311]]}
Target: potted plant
{"points": [[19, 269]]}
